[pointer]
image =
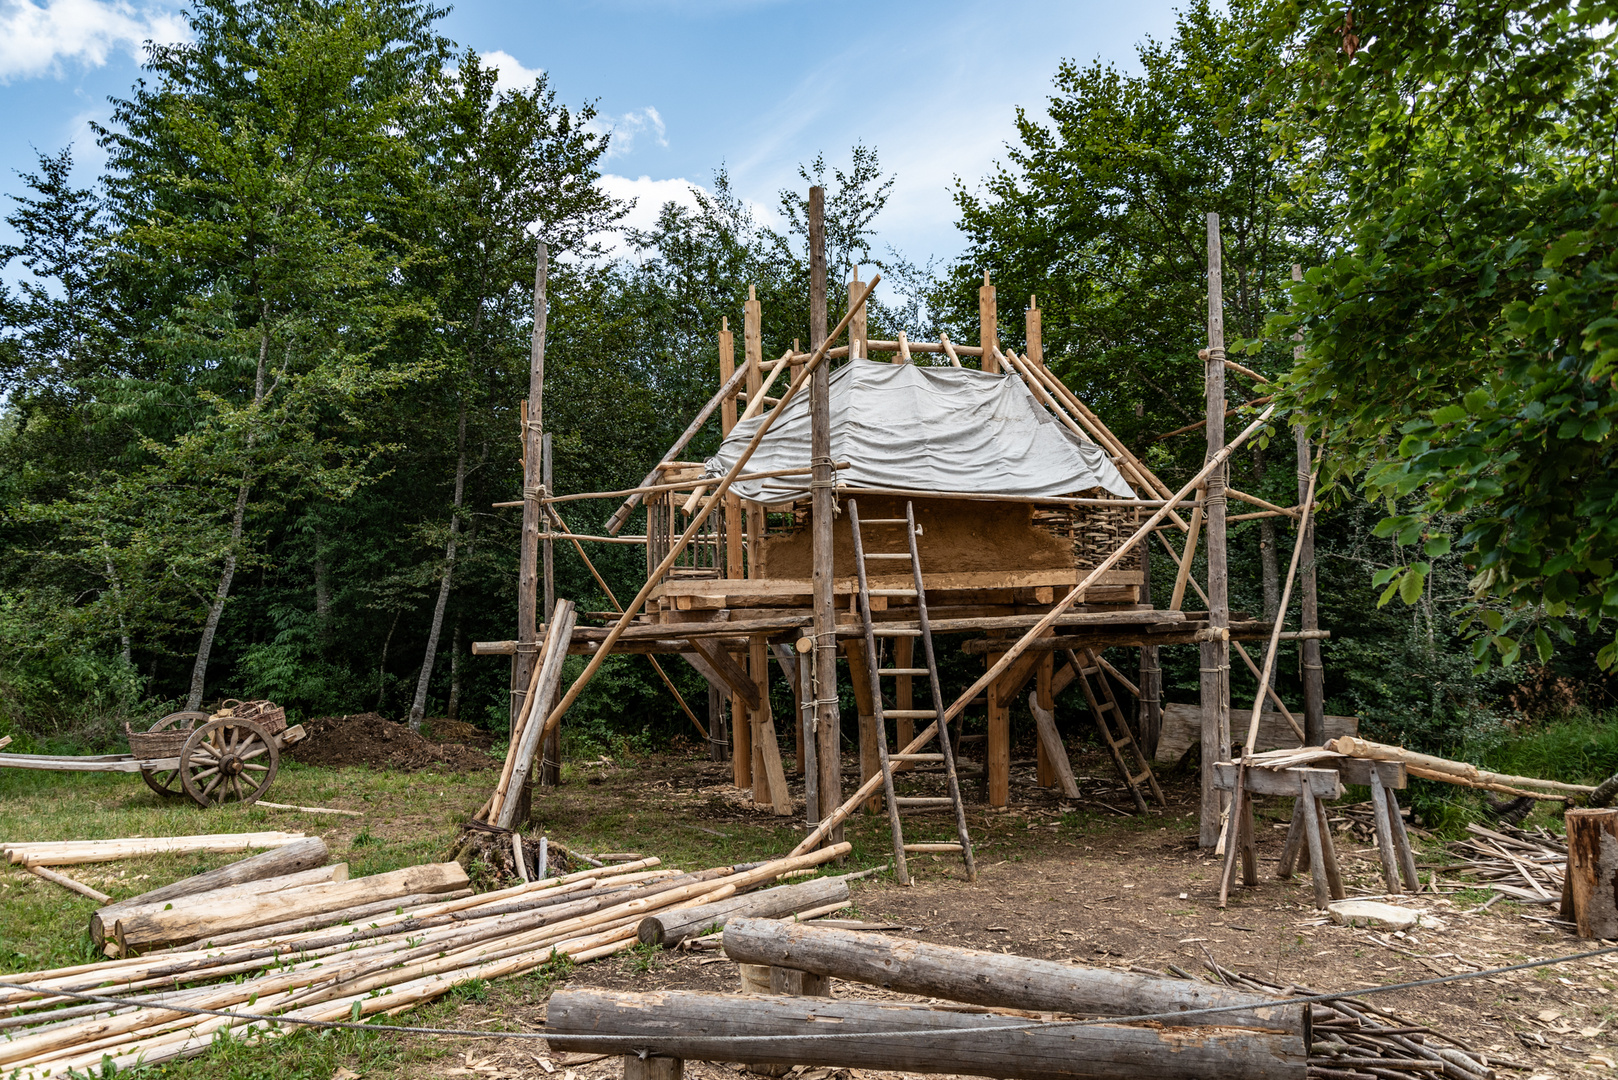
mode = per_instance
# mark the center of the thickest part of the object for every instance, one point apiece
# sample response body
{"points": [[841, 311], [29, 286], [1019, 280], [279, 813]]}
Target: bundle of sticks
{"points": [[353, 967], [1525, 865], [1355, 1040]]}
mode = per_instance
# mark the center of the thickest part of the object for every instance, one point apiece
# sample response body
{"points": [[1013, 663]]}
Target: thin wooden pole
{"points": [[1314, 673], [1215, 673], [753, 353], [550, 753], [734, 538], [1151, 673], [828, 720], [1037, 631], [1280, 618], [816, 362], [527, 658]]}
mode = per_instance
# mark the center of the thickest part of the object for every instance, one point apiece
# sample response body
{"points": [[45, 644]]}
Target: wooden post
{"points": [[1314, 673], [741, 741], [858, 338], [653, 1068], [828, 731], [1045, 671], [734, 536], [997, 757], [806, 720], [717, 725], [904, 656], [1034, 335], [753, 349], [769, 777], [522, 664], [1215, 674], [988, 326], [1150, 723], [550, 754], [1592, 871], [859, 673]]}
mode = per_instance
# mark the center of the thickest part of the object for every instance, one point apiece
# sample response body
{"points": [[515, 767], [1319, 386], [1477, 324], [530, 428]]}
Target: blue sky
{"points": [[686, 85]]}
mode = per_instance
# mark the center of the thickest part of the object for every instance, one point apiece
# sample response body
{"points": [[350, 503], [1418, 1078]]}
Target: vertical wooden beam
{"points": [[1046, 700], [753, 349], [1150, 724], [988, 325], [806, 719], [741, 741], [550, 752], [904, 655], [769, 778], [858, 338], [528, 549], [997, 759], [717, 725], [859, 673], [1215, 673], [734, 538], [1035, 332], [828, 731], [1314, 672]]}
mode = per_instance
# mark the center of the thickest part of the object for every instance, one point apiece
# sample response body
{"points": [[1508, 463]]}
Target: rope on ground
{"points": [[638, 1042]]}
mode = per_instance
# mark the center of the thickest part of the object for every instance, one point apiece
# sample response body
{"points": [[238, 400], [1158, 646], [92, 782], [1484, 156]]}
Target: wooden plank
{"points": [[67, 764], [997, 759], [732, 674], [767, 589], [1182, 727], [766, 748], [1323, 783]]}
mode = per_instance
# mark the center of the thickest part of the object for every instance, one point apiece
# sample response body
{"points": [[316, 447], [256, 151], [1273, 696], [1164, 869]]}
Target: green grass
{"points": [[1577, 750]]}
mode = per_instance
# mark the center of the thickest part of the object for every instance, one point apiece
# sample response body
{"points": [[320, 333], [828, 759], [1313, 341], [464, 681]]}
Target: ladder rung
{"points": [[894, 631], [883, 521], [915, 757], [901, 671], [922, 800], [1135, 780], [932, 847], [971, 738], [1089, 671], [1104, 706], [890, 592], [909, 714], [887, 555]]}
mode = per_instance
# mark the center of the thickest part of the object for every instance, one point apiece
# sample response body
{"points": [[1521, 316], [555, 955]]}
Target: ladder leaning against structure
{"points": [[1114, 730], [946, 754]]}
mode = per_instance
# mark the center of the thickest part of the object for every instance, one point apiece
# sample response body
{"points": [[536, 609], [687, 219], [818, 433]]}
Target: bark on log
{"points": [[305, 854], [1592, 871], [669, 928], [706, 1027], [155, 927], [985, 978], [102, 921]]}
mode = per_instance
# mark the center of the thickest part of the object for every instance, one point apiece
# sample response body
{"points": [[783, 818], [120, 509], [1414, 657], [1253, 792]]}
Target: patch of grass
{"points": [[1574, 750]]}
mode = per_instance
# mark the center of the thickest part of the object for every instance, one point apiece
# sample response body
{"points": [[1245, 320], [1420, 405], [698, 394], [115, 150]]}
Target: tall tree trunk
{"points": [[418, 708], [210, 627], [454, 709], [382, 664]]}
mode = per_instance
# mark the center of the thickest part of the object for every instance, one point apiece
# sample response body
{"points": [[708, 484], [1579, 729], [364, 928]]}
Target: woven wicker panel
{"points": [[157, 744]]}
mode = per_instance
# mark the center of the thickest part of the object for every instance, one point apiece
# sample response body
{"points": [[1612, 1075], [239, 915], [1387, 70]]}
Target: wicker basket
{"points": [[157, 744], [266, 714]]}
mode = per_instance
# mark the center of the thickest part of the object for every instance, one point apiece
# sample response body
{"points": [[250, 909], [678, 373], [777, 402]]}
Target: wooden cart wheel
{"points": [[228, 760], [166, 782]]}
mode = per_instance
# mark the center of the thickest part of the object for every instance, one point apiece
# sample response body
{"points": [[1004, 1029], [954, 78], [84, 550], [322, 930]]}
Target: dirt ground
{"points": [[1084, 883]]}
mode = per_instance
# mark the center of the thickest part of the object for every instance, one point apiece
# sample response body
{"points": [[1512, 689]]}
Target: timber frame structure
{"points": [[1039, 588]]}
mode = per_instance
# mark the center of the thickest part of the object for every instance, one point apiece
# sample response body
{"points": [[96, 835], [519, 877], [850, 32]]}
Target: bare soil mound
{"points": [[371, 740]]}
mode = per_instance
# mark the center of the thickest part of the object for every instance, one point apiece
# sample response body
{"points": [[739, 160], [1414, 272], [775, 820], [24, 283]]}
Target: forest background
{"points": [[262, 383]]}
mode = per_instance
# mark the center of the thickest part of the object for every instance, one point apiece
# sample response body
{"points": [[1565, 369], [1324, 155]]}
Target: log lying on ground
{"points": [[68, 883], [102, 921], [985, 978], [150, 926], [705, 1027], [303, 854], [670, 928], [71, 852]]}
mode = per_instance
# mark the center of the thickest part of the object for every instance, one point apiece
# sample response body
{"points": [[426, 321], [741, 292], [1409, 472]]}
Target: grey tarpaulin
{"points": [[933, 429]]}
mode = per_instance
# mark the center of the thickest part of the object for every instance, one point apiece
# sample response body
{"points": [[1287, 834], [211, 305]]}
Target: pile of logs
{"points": [[346, 966], [995, 1015]]}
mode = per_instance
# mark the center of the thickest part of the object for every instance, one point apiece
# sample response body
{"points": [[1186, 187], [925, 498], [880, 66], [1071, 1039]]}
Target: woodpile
{"points": [[674, 928], [1524, 865], [360, 961]]}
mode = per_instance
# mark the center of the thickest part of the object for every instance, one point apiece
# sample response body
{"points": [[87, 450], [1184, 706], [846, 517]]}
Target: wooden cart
{"points": [[228, 756]]}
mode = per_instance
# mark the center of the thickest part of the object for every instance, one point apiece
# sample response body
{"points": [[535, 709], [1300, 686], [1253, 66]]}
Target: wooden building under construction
{"points": [[857, 515]]}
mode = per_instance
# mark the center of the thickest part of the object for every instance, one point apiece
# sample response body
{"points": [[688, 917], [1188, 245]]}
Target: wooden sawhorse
{"points": [[1310, 789], [1392, 842]]}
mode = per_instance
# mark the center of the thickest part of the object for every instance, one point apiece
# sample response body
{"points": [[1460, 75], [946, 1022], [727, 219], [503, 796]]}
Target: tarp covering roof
{"points": [[931, 429]]}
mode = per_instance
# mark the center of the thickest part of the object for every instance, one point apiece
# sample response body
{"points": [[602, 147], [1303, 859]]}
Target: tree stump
{"points": [[1592, 871]]}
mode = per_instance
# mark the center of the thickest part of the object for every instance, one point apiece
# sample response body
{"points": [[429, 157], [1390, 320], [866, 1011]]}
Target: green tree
{"points": [[1462, 341]]}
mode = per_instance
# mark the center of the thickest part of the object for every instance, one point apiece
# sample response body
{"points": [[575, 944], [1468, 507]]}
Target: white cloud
{"points": [[626, 128], [649, 196], [513, 75], [36, 39]]}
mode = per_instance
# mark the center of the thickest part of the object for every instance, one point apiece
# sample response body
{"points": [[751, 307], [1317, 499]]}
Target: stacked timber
{"points": [[670, 929], [359, 966]]}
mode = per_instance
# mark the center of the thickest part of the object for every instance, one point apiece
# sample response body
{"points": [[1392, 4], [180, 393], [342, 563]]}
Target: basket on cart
{"points": [[266, 714], [159, 744]]}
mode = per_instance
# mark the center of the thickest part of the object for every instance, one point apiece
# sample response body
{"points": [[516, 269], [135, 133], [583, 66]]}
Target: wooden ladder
{"points": [[1119, 741], [946, 754]]}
